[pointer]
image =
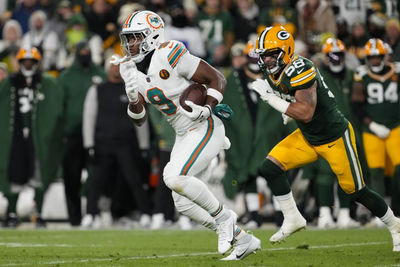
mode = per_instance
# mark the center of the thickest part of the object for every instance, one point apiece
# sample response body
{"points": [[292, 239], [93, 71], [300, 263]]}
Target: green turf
{"points": [[191, 248]]}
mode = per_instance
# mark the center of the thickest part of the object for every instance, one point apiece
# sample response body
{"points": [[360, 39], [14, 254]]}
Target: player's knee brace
{"points": [[270, 170]]}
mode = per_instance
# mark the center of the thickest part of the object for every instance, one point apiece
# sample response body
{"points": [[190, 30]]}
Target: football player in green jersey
{"points": [[376, 101], [294, 87]]}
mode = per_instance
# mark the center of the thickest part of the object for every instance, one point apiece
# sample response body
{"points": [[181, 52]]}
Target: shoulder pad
{"points": [[173, 51], [300, 72], [360, 72]]}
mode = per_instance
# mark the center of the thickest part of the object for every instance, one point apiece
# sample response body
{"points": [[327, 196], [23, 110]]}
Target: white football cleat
{"points": [[396, 236], [225, 232], [184, 223], [157, 221], [87, 221], [243, 249], [288, 228], [346, 223], [145, 221], [326, 222]]}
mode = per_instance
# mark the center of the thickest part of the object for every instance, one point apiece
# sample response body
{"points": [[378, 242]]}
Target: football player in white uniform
{"points": [[157, 72]]}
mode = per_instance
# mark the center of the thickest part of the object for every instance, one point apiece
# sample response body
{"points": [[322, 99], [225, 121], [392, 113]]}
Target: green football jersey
{"points": [[381, 94], [327, 123]]}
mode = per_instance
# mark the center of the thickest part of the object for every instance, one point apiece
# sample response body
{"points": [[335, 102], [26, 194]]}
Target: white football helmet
{"points": [[145, 27]]}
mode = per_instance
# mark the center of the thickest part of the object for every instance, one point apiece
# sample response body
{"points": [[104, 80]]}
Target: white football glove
{"points": [[379, 130], [129, 73], [286, 119], [198, 113], [263, 88]]}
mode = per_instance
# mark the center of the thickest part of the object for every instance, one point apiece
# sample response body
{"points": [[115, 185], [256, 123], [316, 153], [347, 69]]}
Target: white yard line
{"points": [[26, 245], [173, 255]]}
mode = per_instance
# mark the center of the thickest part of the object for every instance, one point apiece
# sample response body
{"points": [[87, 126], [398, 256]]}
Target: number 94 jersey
{"points": [[169, 72], [381, 94], [327, 123]]}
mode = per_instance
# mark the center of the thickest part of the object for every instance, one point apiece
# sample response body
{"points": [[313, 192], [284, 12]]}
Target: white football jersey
{"points": [[169, 73]]}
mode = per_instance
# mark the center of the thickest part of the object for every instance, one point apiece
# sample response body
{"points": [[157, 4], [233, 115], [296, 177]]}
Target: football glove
{"points": [[198, 112], [379, 130], [263, 88], [286, 119], [129, 73]]}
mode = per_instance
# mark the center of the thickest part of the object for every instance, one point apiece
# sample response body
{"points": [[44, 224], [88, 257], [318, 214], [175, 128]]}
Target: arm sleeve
{"points": [[89, 117]]}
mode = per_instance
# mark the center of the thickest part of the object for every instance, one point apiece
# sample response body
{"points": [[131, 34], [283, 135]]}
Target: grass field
{"points": [[361, 247]]}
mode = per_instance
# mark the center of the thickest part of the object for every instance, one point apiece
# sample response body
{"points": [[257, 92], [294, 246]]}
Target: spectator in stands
{"points": [[376, 25], [111, 142], [23, 11], [100, 18], [217, 28], [315, 17], [357, 39], [31, 111], [393, 37], [183, 31], [279, 12], [58, 23], [43, 39], [351, 12], [246, 14], [75, 82], [77, 31], [10, 44]]}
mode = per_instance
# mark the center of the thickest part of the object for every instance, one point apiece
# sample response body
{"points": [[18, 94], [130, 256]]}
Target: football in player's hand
{"points": [[197, 93]]}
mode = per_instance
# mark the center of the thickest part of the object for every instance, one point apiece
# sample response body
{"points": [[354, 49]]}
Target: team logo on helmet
{"points": [[164, 74], [154, 21], [283, 35]]}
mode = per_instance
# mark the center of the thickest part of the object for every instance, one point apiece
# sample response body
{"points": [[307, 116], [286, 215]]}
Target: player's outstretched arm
{"points": [[304, 107], [215, 80]]}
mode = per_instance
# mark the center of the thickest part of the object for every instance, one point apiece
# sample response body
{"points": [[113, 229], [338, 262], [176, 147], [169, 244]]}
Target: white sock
{"points": [[288, 206], [193, 211], [252, 202], [240, 234], [325, 212], [389, 219], [344, 213]]}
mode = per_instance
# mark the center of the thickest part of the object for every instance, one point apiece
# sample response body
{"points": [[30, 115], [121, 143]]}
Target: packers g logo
{"points": [[283, 35], [154, 21], [164, 74]]}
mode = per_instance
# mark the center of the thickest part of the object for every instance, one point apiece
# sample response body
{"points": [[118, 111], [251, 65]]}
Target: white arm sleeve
{"points": [[187, 65], [89, 117]]}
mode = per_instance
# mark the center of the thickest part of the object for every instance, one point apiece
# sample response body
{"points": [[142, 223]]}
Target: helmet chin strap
{"points": [[28, 73], [336, 68], [379, 68]]}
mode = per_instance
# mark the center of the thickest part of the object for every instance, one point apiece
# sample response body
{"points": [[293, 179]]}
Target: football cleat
{"points": [[225, 232], [242, 249], [396, 237], [326, 222], [287, 229]]}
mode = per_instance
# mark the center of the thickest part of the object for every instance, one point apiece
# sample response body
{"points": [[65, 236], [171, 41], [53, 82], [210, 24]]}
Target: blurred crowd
{"points": [[63, 106]]}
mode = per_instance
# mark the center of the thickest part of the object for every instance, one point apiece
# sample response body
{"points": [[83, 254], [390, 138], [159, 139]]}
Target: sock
{"points": [[325, 194], [221, 214], [193, 211], [325, 212], [288, 206], [240, 235], [344, 199], [12, 202], [377, 181], [252, 202], [372, 201], [276, 178], [389, 219], [344, 213], [39, 194]]}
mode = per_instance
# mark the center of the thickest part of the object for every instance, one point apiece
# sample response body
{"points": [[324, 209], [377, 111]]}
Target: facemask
{"points": [[28, 73], [336, 68], [379, 68]]}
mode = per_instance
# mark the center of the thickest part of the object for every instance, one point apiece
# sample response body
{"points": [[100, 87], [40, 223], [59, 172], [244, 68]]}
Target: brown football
{"points": [[197, 93]]}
